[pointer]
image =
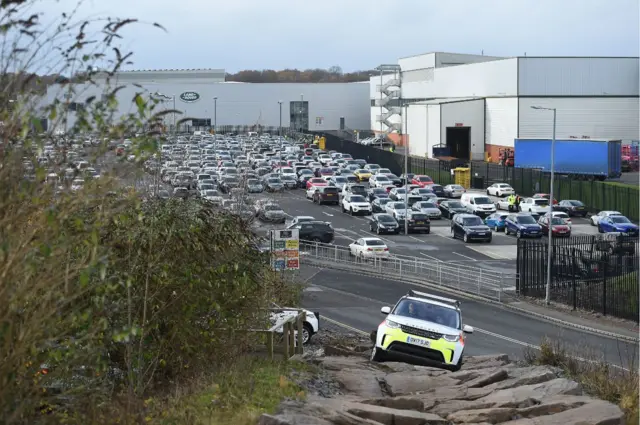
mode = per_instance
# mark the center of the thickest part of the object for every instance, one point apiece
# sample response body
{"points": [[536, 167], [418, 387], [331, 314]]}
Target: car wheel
{"points": [[453, 234], [518, 234], [592, 222], [506, 231], [377, 355], [496, 228], [465, 238], [488, 192], [457, 366], [600, 229], [351, 211], [307, 333], [378, 230]]}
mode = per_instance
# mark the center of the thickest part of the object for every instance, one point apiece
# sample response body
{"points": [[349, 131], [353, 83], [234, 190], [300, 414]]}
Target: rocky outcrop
{"points": [[487, 390]]}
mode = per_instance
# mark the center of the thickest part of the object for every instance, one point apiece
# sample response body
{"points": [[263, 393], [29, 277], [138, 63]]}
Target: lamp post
{"points": [[280, 128], [547, 298], [215, 124], [406, 170]]}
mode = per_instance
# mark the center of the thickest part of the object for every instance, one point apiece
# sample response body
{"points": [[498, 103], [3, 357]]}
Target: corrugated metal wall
{"points": [[597, 118], [417, 123], [501, 121]]}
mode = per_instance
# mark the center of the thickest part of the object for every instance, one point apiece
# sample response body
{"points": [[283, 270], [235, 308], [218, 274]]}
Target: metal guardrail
{"points": [[457, 276]]}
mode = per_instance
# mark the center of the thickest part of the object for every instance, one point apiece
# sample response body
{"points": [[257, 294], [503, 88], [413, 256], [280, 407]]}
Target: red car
{"points": [[422, 181], [316, 181], [544, 196], [558, 227]]}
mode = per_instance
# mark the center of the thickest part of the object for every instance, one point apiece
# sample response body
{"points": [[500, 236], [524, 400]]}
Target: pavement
{"points": [[354, 301]]}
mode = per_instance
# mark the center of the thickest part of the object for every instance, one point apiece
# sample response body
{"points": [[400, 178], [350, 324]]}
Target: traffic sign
{"points": [[285, 249]]}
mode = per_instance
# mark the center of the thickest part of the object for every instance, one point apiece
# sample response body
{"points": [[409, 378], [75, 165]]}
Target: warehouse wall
{"points": [[417, 123], [596, 117], [469, 113], [246, 104], [486, 79], [578, 76], [411, 63], [501, 124], [433, 128]]}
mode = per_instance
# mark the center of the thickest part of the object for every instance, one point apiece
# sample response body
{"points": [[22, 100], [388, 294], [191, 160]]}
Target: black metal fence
{"points": [[596, 195], [595, 273]]}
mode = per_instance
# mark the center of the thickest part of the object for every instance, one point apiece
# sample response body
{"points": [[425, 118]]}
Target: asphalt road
{"points": [[499, 256], [356, 301]]}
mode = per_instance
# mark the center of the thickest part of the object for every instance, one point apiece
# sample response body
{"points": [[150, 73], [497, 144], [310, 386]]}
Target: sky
{"points": [[359, 34]]}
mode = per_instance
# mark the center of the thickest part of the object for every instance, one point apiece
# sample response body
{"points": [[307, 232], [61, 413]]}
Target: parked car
{"points": [[422, 180], [438, 190], [595, 219], [383, 223], [617, 223], [617, 243], [573, 207], [535, 205], [355, 204], [272, 213], [451, 208], [469, 227], [500, 190], [522, 225], [430, 209], [326, 195], [378, 205], [315, 231], [369, 248], [254, 186], [496, 221], [417, 222], [377, 192], [453, 191], [558, 227]]}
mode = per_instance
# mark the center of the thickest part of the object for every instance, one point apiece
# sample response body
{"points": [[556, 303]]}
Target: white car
{"points": [[561, 215], [77, 184], [300, 219], [453, 191], [502, 204], [378, 180], [381, 171], [369, 248], [310, 326], [500, 189], [595, 219], [309, 192], [397, 209], [288, 172], [535, 205], [354, 204]]}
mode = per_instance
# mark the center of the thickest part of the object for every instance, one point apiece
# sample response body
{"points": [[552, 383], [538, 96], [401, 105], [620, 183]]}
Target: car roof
{"points": [[373, 239], [433, 302]]}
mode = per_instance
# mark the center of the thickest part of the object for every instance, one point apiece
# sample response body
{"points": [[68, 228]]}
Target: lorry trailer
{"points": [[582, 158]]}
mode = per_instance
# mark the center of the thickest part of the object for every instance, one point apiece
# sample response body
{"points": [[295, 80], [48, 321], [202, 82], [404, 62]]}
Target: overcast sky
{"points": [[361, 34]]}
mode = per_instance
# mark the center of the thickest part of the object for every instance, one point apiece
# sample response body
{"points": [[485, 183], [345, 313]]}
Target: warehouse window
{"points": [[201, 122]]}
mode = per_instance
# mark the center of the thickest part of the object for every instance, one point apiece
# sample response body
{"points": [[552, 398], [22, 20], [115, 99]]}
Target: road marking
{"points": [[430, 257], [464, 256], [416, 239], [343, 325], [326, 213]]}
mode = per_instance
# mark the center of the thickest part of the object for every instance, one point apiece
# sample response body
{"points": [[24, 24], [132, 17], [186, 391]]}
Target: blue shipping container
{"points": [[572, 156]]}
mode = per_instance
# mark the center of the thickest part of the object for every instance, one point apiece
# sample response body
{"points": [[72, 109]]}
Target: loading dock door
{"points": [[459, 142]]}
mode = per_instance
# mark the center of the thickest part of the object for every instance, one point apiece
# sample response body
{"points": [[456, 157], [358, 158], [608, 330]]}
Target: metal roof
{"points": [[445, 100]]}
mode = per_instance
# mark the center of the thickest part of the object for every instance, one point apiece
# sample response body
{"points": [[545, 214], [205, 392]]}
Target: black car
{"points": [[326, 195], [377, 192], [438, 190], [378, 204], [316, 231], [383, 223], [470, 227], [418, 222], [273, 184], [451, 208], [395, 180], [572, 207]]}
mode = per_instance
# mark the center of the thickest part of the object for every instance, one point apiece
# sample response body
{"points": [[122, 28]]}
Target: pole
{"points": [[215, 124], [547, 298], [381, 113], [406, 170], [280, 128], [174, 116]]}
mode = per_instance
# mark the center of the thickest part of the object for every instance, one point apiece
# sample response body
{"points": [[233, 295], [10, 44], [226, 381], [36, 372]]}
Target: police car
{"points": [[422, 326]]}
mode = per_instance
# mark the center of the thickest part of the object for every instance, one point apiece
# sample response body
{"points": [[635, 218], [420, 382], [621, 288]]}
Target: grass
{"points": [[597, 377], [236, 395]]}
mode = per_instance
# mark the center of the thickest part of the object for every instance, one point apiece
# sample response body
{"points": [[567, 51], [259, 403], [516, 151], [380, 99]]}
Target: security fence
{"points": [[596, 195], [468, 279], [595, 273]]}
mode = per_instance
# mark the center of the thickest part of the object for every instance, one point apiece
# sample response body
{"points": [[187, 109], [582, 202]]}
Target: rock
{"points": [[271, 420], [469, 361], [464, 375], [512, 397], [397, 367], [340, 363], [402, 383], [551, 408], [493, 415], [334, 350], [488, 379], [389, 416], [360, 384], [525, 376], [400, 403], [361, 348], [291, 419], [446, 408], [457, 393], [596, 412]]}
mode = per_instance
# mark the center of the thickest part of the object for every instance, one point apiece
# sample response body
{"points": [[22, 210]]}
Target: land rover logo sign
{"points": [[189, 96]]}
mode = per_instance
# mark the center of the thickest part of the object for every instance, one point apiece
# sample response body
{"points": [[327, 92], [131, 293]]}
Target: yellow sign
{"points": [[321, 143], [292, 244]]}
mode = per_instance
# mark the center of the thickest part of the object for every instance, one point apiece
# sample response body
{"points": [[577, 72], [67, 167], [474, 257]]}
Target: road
{"points": [[499, 256], [356, 301]]}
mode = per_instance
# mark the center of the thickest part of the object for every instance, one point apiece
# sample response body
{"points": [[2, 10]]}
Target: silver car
{"points": [[397, 209], [428, 208], [272, 213], [453, 191]]}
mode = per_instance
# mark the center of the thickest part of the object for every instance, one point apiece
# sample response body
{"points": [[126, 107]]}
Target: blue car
{"points": [[497, 221], [617, 223], [522, 225]]}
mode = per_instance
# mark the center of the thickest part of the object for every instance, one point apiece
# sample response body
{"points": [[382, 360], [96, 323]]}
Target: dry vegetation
{"points": [[110, 300], [598, 378]]}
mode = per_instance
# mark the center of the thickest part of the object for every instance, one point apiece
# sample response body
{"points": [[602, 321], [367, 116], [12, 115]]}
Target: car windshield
{"points": [[428, 312], [274, 181], [382, 201], [357, 198], [272, 208], [340, 180], [576, 203], [454, 205], [287, 177], [374, 242], [401, 191], [351, 179], [399, 206], [382, 178], [423, 191], [385, 218], [542, 201], [318, 181], [425, 179], [483, 200], [456, 187], [428, 205], [231, 179], [330, 189], [526, 219], [306, 171], [504, 186], [619, 219], [361, 171], [358, 189], [556, 221], [378, 190], [472, 221], [419, 216], [252, 181], [210, 193]]}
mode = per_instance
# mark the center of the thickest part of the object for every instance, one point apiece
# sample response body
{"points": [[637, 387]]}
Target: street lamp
{"points": [[406, 171], [215, 123], [550, 246], [280, 128]]}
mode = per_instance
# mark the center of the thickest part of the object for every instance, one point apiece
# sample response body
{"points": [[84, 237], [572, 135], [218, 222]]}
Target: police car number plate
{"points": [[417, 341]]}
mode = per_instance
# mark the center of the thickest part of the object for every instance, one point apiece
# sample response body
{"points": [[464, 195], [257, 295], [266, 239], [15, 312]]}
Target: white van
{"points": [[478, 204]]}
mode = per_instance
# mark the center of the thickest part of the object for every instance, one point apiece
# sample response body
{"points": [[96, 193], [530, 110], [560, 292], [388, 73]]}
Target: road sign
{"points": [[285, 249]]}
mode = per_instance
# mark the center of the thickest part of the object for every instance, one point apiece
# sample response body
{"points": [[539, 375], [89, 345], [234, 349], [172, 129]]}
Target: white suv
{"points": [[310, 326], [354, 204]]}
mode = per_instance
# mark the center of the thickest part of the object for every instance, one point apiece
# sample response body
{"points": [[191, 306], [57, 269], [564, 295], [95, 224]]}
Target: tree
{"points": [[332, 75]]}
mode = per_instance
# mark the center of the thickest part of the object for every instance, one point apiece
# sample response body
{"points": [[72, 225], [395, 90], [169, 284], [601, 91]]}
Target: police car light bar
{"points": [[419, 294]]}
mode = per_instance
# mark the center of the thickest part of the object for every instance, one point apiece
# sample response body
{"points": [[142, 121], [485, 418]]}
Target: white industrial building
{"points": [[205, 98], [479, 104]]}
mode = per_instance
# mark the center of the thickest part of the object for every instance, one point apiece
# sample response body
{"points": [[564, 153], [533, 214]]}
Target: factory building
{"points": [[477, 105], [204, 97]]}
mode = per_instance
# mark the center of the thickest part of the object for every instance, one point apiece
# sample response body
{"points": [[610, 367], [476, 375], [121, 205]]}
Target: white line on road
{"points": [[430, 257], [464, 256], [326, 213], [416, 239]]}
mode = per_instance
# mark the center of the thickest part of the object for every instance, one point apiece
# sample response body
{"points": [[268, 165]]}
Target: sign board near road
{"points": [[285, 249]]}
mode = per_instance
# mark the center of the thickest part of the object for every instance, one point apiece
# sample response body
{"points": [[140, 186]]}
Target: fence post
{"points": [[285, 340], [400, 267], [479, 279], [316, 244], [301, 317], [574, 282], [604, 285], [335, 250]]}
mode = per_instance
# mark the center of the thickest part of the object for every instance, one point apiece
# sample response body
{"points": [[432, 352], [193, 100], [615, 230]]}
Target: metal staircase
{"points": [[389, 92]]}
